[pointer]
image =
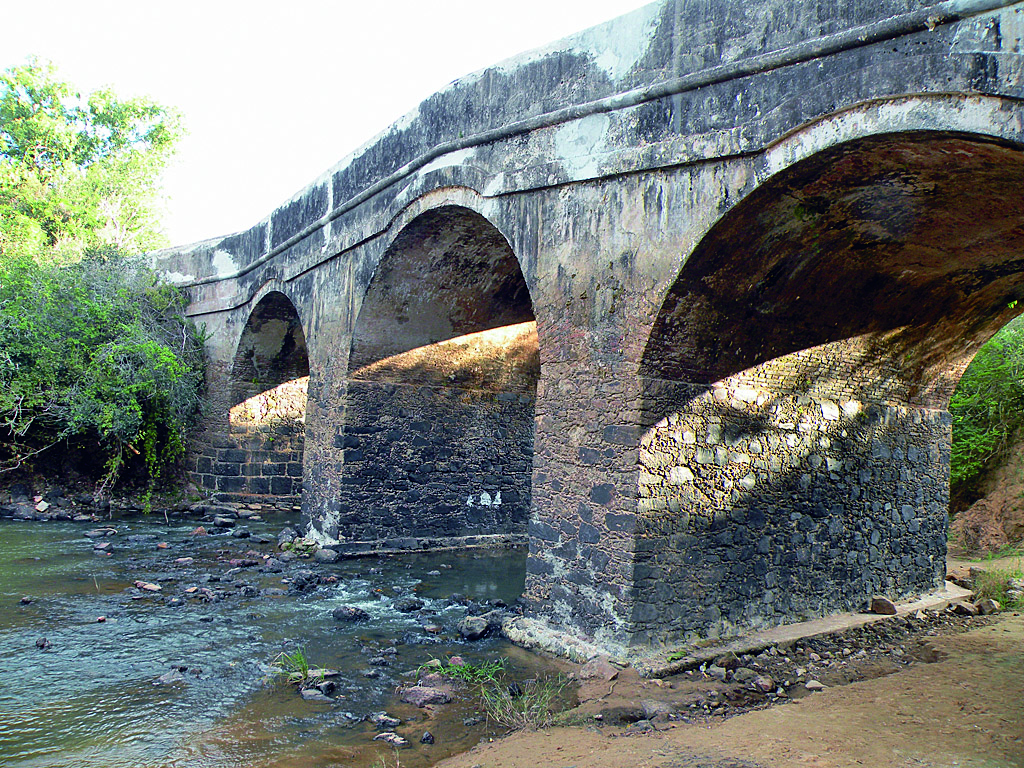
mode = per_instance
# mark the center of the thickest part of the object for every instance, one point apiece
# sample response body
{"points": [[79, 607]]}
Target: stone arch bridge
{"points": [[681, 299]]}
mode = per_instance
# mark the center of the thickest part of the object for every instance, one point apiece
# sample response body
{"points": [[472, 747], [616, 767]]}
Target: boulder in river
{"points": [[421, 696], [349, 613], [408, 604], [326, 555], [474, 627]]}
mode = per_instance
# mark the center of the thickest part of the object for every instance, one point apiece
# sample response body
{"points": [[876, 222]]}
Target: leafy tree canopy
{"points": [[78, 172], [95, 349], [988, 410]]}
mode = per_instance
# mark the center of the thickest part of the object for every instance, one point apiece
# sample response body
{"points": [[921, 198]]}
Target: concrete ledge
{"points": [[537, 635], [408, 544], [659, 665]]}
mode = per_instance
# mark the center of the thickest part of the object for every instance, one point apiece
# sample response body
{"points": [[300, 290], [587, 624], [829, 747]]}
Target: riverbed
{"points": [[97, 671]]}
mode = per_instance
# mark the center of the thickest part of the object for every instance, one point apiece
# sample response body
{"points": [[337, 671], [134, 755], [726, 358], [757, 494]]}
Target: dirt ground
{"points": [[965, 709]]}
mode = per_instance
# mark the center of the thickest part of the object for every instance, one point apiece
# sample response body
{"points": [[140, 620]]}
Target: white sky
{"points": [[273, 94]]}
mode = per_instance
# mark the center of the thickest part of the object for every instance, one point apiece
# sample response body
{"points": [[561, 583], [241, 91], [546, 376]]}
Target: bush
{"points": [[988, 411], [98, 350]]}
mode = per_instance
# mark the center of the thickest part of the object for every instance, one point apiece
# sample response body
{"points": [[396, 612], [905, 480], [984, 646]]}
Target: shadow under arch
{"points": [[268, 384], [794, 459], [443, 369]]}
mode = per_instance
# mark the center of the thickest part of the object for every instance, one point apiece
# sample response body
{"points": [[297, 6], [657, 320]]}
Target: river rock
{"points": [[409, 604], [716, 672], [391, 738], [474, 627], [883, 606], [99, 533], [963, 609], [326, 555], [240, 533], [743, 675], [654, 708], [427, 738], [814, 685], [312, 694], [598, 668], [728, 661], [384, 720], [349, 613], [224, 522], [988, 606], [287, 535], [174, 676], [421, 696], [764, 684]]}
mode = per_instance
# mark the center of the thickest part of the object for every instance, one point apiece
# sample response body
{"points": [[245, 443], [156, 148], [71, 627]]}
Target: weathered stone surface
{"points": [[421, 696], [883, 605], [408, 604], [598, 668], [474, 627], [988, 606], [326, 555], [349, 613]]}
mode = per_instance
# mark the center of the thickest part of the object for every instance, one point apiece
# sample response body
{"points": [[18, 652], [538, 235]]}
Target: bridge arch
{"points": [[795, 448], [441, 385], [262, 453]]}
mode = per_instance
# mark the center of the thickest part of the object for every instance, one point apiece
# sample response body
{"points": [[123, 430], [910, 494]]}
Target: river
{"points": [[90, 697]]}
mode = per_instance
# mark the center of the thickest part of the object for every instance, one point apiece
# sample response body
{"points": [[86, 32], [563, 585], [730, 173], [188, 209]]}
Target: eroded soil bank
{"points": [[946, 694]]}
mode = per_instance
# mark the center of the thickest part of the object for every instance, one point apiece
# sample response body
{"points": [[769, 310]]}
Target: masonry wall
{"points": [[429, 461], [258, 455], [760, 503]]}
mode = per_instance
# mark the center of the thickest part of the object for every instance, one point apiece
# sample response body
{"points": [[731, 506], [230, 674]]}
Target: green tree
{"points": [[988, 410], [99, 352], [94, 348], [78, 172]]}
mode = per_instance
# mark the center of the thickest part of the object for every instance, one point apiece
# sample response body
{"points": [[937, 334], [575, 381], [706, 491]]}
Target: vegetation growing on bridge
{"points": [[93, 347]]}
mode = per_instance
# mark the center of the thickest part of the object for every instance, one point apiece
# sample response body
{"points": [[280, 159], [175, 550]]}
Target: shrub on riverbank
{"points": [[96, 351]]}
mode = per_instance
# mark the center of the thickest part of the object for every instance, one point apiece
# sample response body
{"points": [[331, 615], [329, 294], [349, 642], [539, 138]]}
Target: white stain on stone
{"points": [[459, 157], [223, 263], [580, 144], [615, 46], [485, 500], [619, 45], [178, 277], [1001, 31]]}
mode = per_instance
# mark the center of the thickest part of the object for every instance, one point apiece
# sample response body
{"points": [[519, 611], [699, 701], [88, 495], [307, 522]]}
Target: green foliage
{"points": [[98, 349], [987, 408], [995, 584], [532, 705], [476, 674], [295, 666], [78, 172], [535, 705]]}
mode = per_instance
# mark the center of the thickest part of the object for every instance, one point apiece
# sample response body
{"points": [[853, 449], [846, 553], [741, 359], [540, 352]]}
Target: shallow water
{"points": [[91, 698]]}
